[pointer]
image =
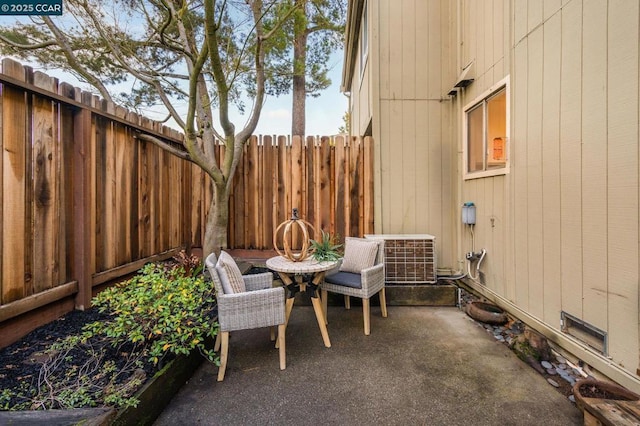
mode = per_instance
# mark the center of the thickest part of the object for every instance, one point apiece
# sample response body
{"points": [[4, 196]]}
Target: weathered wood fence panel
{"points": [[85, 201], [328, 179]]}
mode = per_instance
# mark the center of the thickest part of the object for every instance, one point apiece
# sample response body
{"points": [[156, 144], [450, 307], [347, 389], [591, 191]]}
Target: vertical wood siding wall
{"points": [[409, 65], [562, 228], [84, 201]]}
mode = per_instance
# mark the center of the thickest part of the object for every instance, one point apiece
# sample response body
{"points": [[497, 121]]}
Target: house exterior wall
{"points": [[411, 120], [360, 105], [561, 228]]}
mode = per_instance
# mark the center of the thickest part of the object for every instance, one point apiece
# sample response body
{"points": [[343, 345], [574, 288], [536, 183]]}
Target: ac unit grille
{"points": [[409, 259]]}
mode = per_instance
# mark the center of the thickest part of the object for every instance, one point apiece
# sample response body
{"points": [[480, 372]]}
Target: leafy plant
{"points": [[326, 249], [165, 310], [191, 264]]}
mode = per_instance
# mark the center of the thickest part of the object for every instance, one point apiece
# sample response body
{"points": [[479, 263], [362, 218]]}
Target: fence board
{"points": [[340, 179], [14, 110], [121, 197], [66, 251], [252, 200], [144, 200], [308, 193], [283, 205], [46, 179], [29, 195], [268, 159], [324, 186]]}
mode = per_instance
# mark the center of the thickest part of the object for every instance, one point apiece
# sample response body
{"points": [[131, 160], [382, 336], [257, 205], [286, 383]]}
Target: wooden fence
{"points": [[327, 179], [84, 201]]}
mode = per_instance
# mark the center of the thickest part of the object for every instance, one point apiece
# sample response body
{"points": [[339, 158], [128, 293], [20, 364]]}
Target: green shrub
{"points": [[166, 310]]}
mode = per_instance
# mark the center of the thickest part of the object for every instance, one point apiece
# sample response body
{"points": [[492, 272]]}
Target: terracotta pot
{"points": [[486, 312], [607, 389]]}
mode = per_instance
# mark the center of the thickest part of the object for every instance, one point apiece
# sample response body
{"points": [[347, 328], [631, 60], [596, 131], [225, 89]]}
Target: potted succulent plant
{"points": [[325, 249]]}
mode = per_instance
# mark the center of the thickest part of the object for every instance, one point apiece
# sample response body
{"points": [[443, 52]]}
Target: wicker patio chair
{"points": [[258, 305], [360, 279]]}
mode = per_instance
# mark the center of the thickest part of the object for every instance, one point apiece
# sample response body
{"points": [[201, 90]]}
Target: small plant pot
{"points": [[486, 312], [598, 389], [590, 394]]}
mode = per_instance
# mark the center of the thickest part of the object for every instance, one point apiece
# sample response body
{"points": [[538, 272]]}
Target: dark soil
{"points": [[21, 364], [593, 391]]}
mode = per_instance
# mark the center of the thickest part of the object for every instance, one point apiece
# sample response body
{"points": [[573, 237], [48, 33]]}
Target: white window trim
{"points": [[504, 83]]}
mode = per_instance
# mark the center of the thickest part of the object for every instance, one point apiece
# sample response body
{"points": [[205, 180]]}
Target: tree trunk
{"points": [[298, 109], [215, 234]]}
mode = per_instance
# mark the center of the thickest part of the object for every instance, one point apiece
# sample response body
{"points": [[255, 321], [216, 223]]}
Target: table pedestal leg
{"points": [[288, 308], [299, 285], [317, 307], [324, 305]]}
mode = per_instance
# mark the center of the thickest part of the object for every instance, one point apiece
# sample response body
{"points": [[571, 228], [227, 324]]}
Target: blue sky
{"points": [[323, 117]]}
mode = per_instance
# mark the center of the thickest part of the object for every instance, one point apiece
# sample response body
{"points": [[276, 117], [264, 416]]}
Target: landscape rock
{"points": [[539, 343]]}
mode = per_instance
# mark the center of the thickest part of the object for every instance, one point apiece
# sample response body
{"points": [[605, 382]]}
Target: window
{"points": [[364, 39], [486, 148]]}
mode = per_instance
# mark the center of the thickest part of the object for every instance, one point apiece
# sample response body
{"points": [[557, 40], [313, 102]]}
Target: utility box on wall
{"points": [[409, 259]]}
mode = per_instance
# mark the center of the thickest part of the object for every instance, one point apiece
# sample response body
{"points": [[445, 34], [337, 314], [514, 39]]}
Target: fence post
{"points": [[82, 252]]}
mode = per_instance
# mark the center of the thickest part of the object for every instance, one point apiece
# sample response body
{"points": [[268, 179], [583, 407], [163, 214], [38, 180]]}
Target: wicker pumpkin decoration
{"points": [[288, 226]]}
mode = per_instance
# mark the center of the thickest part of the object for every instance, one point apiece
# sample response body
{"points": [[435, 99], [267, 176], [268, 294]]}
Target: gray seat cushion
{"points": [[347, 279]]}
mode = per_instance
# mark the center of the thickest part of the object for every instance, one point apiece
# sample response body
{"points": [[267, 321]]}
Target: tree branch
{"points": [[62, 41], [28, 46], [165, 146]]}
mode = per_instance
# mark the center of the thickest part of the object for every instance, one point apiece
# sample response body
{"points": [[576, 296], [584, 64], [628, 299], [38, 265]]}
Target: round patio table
{"points": [[292, 275]]}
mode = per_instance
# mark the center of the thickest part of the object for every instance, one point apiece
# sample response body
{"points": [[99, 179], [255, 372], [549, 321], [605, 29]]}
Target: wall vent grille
{"points": [[585, 332]]}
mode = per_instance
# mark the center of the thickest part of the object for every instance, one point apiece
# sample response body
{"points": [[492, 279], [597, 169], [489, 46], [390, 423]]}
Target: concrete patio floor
{"points": [[419, 366]]}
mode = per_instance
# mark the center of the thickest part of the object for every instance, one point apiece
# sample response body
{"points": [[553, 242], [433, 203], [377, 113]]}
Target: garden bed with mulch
{"points": [[32, 377], [153, 328]]}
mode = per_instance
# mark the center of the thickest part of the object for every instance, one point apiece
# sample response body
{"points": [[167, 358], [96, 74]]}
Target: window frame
{"points": [[476, 102]]}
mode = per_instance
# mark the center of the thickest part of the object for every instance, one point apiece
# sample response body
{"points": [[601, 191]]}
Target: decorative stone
{"points": [[517, 327], [551, 371], [553, 383], [569, 379], [538, 342], [560, 359], [572, 398], [546, 364]]}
